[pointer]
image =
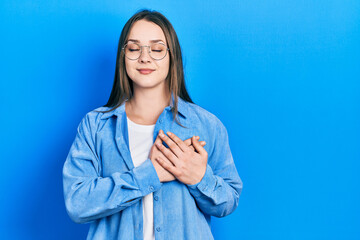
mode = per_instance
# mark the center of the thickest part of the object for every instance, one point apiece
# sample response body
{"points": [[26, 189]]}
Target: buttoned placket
{"points": [[123, 145], [157, 203], [122, 142]]}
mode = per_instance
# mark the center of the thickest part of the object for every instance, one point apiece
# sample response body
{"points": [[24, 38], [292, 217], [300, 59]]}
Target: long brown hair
{"points": [[123, 87]]}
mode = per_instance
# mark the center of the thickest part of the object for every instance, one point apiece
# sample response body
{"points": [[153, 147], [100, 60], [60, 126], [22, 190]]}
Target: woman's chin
{"points": [[147, 83]]}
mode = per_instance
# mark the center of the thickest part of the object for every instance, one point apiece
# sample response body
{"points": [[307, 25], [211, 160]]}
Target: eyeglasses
{"points": [[157, 51]]}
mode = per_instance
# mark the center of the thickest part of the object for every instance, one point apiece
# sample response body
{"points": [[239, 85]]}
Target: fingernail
{"points": [[197, 137], [169, 133], [162, 135]]}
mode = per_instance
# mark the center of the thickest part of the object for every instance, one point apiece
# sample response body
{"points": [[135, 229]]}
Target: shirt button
{"points": [[151, 188], [160, 121], [156, 198], [158, 229]]}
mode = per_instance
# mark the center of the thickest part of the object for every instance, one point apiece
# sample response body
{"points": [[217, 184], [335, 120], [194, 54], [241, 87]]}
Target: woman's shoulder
{"points": [[92, 118], [104, 112], [97, 112]]}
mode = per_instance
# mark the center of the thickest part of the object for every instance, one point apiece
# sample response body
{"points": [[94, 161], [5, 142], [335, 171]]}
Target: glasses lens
{"points": [[158, 51], [132, 51]]}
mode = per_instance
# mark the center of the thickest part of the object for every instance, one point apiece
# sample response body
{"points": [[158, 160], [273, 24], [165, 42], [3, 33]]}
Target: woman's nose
{"points": [[144, 54]]}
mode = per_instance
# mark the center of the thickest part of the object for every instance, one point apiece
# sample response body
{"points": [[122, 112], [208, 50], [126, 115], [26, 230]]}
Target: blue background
{"points": [[283, 76]]}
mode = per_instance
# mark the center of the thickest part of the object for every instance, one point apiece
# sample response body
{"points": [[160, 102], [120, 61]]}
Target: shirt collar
{"points": [[182, 108]]}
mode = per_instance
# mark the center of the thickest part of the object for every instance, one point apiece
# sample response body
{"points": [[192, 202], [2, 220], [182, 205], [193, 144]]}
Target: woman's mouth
{"points": [[145, 70]]}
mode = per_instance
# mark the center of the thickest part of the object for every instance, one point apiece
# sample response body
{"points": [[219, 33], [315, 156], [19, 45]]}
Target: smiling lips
{"points": [[145, 70]]}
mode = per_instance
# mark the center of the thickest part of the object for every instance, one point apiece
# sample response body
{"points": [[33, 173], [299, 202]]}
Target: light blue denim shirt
{"points": [[102, 187]]}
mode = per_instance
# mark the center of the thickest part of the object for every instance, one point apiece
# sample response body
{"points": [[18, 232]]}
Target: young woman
{"points": [[136, 169]]}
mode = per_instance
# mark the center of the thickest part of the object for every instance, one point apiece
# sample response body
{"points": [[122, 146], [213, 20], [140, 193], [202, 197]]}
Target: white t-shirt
{"points": [[140, 143]]}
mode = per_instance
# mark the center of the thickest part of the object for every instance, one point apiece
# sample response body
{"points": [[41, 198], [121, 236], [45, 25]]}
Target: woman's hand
{"points": [[180, 160], [163, 174]]}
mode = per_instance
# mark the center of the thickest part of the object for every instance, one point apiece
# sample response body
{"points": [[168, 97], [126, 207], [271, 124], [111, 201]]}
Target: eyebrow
{"points": [[152, 41]]}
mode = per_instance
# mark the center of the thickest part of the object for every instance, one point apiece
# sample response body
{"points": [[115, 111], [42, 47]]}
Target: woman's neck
{"points": [[146, 106]]}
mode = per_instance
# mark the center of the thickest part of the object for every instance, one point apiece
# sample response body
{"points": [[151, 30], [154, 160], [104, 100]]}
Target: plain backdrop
{"points": [[283, 76]]}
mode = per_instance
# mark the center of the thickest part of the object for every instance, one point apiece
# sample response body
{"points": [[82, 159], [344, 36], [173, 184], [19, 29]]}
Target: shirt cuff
{"points": [[147, 178], [205, 186]]}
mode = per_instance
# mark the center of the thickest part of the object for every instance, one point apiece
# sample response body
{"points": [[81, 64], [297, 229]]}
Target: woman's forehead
{"points": [[146, 32]]}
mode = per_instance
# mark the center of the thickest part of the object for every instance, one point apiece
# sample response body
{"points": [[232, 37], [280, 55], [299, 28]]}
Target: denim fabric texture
{"points": [[102, 187]]}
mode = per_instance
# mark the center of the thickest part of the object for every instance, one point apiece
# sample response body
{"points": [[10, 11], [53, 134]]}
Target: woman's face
{"points": [[146, 72]]}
